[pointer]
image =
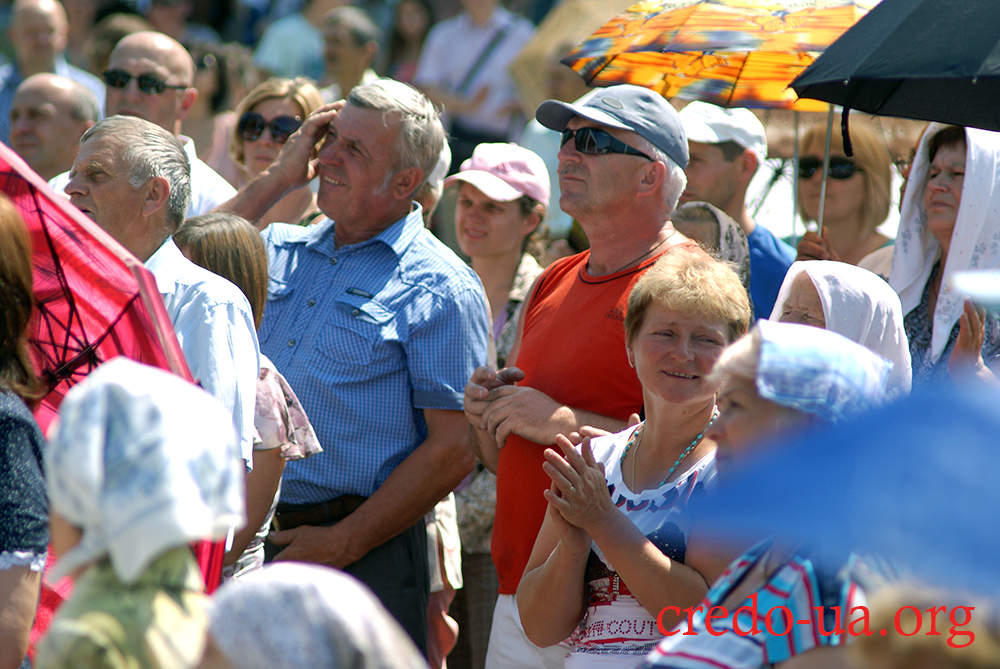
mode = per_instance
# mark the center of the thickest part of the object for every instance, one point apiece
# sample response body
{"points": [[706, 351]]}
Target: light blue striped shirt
{"points": [[368, 335]]}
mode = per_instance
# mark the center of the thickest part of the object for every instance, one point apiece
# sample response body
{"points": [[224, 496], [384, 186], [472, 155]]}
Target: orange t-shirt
{"points": [[573, 350]]}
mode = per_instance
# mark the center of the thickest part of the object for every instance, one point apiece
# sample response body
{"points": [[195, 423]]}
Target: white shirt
{"points": [[208, 188], [215, 328], [454, 45]]}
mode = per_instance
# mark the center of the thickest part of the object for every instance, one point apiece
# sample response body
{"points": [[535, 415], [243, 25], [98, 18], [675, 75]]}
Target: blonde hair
{"points": [[871, 155], [300, 90], [690, 283]]}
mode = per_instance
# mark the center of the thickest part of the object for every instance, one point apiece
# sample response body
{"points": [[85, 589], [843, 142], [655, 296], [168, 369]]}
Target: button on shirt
{"points": [[215, 328], [368, 335]]}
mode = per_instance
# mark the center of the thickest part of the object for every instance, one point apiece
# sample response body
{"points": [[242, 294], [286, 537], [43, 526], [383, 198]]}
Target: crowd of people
{"points": [[455, 435]]}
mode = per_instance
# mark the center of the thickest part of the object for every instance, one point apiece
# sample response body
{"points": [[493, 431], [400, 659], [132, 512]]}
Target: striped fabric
{"points": [[794, 615]]}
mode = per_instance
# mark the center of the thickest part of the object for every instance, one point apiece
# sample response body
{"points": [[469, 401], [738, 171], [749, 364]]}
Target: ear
{"points": [[157, 194], [190, 95], [651, 179], [631, 355], [405, 183], [371, 51], [747, 164], [531, 222]]}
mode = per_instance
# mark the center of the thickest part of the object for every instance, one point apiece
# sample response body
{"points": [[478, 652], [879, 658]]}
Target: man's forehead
{"points": [[367, 126]]}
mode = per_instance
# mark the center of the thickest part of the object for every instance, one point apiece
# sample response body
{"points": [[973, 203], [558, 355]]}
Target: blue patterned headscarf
{"points": [[817, 371], [143, 462]]}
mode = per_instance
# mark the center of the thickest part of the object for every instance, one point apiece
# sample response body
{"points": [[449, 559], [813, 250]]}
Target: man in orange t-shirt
{"points": [[621, 172]]}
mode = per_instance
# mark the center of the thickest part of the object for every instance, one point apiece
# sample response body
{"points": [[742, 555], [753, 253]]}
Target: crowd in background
{"points": [[609, 304]]}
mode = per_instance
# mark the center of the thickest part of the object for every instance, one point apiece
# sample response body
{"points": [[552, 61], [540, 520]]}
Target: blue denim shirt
{"points": [[368, 335]]}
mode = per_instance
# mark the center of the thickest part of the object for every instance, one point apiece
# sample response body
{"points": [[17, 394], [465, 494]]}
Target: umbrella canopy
{"points": [[913, 481], [566, 24], [94, 299], [936, 60], [734, 53]]}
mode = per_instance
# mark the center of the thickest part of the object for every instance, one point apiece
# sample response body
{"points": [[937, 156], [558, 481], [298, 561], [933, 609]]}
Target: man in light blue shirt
{"points": [[376, 325]]}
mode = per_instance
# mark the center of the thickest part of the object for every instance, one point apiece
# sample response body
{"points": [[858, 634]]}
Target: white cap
{"points": [[711, 124]]}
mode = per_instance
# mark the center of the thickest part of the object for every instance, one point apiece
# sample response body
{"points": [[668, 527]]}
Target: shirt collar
{"points": [[397, 236]]}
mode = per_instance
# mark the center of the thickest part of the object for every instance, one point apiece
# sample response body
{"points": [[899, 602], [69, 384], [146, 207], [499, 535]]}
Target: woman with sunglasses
{"points": [[266, 118], [858, 194]]}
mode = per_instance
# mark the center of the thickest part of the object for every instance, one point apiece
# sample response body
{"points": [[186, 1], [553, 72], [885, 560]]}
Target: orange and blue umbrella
{"points": [[734, 53]]}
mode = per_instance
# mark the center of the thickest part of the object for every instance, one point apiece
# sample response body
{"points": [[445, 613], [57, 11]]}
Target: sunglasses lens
{"points": [[251, 126], [117, 78], [808, 167], [841, 169], [150, 85], [282, 128]]}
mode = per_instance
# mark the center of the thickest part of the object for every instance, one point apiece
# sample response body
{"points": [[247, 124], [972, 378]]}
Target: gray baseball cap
{"points": [[626, 107]]}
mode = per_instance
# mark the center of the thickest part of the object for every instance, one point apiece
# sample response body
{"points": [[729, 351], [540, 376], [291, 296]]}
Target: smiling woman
{"points": [[617, 517]]}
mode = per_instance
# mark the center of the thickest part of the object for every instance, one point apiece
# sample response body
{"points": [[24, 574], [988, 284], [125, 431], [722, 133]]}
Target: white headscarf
{"points": [[300, 616], [861, 306], [143, 462], [975, 242]]}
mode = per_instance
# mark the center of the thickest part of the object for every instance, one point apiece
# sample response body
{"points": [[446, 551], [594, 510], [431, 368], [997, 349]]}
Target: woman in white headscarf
{"points": [[950, 222], [141, 464], [325, 618], [853, 302]]}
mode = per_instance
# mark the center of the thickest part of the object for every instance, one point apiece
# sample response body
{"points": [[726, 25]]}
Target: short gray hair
{"points": [[421, 134], [149, 151], [675, 181]]}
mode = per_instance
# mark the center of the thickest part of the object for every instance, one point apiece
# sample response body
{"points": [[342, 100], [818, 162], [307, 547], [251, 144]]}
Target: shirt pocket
{"points": [[278, 293], [353, 330]]}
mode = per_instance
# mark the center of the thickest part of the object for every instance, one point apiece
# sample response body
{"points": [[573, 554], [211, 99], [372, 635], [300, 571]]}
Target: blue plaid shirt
{"points": [[368, 335]]}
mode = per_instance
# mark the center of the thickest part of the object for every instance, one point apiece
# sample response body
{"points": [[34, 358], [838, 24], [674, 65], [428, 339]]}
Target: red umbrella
{"points": [[95, 301]]}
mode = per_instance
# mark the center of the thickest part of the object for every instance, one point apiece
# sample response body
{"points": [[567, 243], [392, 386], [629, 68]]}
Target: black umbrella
{"points": [[936, 60]]}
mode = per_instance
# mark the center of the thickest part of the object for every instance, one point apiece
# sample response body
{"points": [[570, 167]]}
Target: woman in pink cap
{"points": [[502, 189]]}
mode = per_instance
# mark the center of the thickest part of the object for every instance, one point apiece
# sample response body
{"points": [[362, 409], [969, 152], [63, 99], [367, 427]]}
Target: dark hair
{"points": [[731, 150], [534, 243], [213, 55], [396, 42], [230, 246], [953, 135], [17, 374]]}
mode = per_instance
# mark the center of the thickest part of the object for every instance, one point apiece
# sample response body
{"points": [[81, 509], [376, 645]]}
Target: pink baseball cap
{"points": [[505, 172]]}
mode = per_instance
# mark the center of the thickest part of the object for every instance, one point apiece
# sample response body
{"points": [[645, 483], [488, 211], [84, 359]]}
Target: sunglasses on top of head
{"points": [[840, 168], [252, 126], [148, 84], [596, 142]]}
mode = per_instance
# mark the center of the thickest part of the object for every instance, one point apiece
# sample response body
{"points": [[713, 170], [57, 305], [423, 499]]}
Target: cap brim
{"points": [[554, 115], [491, 186]]}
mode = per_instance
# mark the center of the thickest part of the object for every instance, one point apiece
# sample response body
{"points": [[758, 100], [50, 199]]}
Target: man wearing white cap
{"points": [[727, 146]]}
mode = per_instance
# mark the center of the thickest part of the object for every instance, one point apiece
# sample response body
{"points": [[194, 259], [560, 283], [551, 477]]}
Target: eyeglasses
{"points": [[596, 142], [840, 168], [252, 126], [148, 84]]}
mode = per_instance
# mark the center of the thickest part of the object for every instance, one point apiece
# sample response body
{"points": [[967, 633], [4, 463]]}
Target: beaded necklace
{"points": [[637, 440]]}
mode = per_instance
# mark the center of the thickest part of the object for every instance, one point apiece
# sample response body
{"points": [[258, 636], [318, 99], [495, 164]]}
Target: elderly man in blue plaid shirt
{"points": [[377, 326]]}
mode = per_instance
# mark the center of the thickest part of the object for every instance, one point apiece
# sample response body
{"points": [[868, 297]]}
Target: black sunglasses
{"points": [[596, 142], [252, 126], [148, 84], [840, 168]]}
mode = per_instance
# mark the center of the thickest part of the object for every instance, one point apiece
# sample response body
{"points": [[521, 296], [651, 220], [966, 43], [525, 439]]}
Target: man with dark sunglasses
{"points": [[727, 147], [621, 171], [150, 76]]}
